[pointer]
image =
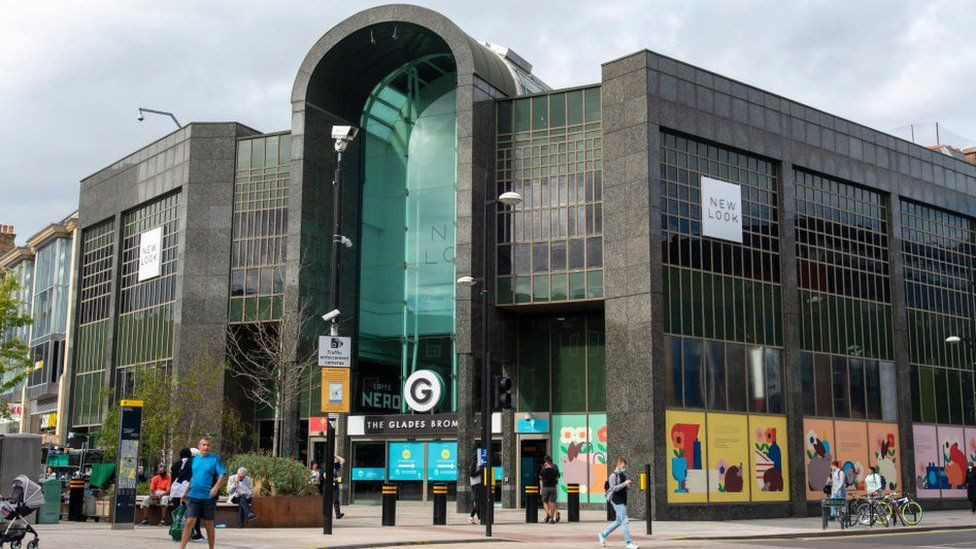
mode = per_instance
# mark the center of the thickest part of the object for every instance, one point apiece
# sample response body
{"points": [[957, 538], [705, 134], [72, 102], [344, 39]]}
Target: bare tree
{"points": [[271, 363]]}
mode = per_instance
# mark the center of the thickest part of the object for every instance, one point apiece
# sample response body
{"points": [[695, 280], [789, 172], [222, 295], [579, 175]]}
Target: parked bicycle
{"points": [[873, 510], [903, 508]]}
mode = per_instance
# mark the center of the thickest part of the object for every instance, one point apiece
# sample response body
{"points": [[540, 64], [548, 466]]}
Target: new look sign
{"points": [[721, 209]]}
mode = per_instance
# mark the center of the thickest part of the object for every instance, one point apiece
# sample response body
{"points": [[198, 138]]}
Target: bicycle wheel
{"points": [[882, 513], [911, 513]]}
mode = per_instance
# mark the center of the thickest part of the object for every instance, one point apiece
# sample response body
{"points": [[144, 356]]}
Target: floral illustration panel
{"points": [[686, 457], [952, 441], [580, 452], [883, 441], [928, 462], [728, 457], [769, 459], [852, 452], [818, 450]]}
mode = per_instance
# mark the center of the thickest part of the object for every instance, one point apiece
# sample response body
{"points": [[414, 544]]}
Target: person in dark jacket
{"points": [[181, 472], [476, 478], [971, 485], [337, 478]]}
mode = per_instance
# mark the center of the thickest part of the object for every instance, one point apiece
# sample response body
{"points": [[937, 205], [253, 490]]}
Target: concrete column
{"points": [[790, 311], [631, 278], [903, 368], [468, 428]]}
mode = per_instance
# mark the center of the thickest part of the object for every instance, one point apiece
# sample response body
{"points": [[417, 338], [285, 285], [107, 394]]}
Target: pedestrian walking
{"points": [[971, 485], [336, 480], [240, 490], [476, 475], [208, 474], [180, 474], [617, 496], [548, 479]]}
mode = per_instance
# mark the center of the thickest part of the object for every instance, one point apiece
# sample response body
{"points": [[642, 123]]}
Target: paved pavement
{"points": [[361, 528]]}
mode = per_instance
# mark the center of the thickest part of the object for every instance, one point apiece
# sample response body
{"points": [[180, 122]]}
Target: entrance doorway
{"points": [[532, 452]]}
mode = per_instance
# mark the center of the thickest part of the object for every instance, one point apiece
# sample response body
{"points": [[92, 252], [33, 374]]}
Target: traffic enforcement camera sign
{"points": [[335, 352]]}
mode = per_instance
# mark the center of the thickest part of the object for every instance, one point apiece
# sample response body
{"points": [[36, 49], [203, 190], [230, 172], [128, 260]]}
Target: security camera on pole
{"points": [[334, 356]]}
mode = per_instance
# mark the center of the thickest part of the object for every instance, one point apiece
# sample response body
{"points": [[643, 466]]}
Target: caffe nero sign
{"points": [[411, 425], [721, 209]]}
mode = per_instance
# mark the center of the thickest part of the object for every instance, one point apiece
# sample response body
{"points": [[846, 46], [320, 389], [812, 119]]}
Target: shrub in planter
{"points": [[274, 476]]}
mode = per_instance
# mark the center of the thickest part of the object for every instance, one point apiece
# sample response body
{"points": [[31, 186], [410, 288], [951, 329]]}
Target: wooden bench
{"points": [[226, 513], [829, 504]]}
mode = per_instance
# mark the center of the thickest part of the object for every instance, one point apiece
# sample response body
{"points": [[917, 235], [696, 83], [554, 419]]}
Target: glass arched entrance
{"points": [[406, 304]]}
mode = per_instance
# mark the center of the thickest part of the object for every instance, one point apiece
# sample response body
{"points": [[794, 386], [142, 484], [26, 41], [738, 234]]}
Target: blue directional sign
{"points": [[442, 461]]}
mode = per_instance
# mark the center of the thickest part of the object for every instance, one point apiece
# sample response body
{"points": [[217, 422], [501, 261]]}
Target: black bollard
{"points": [[572, 503], [531, 504], [611, 514], [440, 504], [645, 485], [389, 504], [76, 500]]}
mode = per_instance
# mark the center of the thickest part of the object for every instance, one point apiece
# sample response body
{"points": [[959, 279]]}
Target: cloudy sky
{"points": [[72, 74]]}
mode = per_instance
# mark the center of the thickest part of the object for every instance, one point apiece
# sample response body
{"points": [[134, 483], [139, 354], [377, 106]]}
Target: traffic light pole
{"points": [[487, 506]]}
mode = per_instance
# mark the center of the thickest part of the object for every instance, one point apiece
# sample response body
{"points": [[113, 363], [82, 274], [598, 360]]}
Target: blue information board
{"points": [[368, 473], [406, 461], [442, 461]]}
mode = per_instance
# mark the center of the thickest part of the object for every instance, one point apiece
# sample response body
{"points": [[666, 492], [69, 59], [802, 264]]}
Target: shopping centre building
{"points": [[702, 276]]}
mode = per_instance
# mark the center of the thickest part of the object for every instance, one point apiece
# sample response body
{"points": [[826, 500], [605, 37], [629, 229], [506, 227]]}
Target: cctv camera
{"points": [[341, 239], [331, 315], [347, 133], [140, 118]]}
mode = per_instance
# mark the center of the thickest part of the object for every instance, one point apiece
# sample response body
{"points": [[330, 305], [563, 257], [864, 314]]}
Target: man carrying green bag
{"points": [[179, 518]]}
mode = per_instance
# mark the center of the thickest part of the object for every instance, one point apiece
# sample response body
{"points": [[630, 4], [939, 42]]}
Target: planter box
{"points": [[287, 512]]}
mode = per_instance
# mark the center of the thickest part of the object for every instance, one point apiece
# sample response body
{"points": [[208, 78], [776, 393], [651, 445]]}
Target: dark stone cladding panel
{"points": [[632, 332]]}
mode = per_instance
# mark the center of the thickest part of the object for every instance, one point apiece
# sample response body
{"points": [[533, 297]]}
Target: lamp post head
{"points": [[510, 198], [952, 340], [467, 281]]}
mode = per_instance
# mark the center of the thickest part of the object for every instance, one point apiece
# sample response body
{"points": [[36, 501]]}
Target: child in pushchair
{"points": [[25, 498]]}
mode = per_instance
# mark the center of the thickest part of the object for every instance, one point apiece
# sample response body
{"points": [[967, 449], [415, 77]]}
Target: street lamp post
{"points": [[143, 110], [487, 506], [343, 135]]}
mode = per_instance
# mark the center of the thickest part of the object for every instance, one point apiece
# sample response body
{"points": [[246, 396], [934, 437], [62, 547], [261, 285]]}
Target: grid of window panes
{"points": [[848, 387], [549, 150], [50, 309], [23, 273], [561, 363], [723, 320], [260, 228], [94, 324], [939, 258], [842, 268], [146, 308], [718, 288]]}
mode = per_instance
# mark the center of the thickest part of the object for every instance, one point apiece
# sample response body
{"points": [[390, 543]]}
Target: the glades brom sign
{"points": [[721, 209]]}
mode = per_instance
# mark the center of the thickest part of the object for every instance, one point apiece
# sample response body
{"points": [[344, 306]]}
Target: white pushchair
{"points": [[25, 498]]}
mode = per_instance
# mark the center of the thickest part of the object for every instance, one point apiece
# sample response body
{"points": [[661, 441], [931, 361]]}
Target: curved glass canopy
{"points": [[407, 234]]}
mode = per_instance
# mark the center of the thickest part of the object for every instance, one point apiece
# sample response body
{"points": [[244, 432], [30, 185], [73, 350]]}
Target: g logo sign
{"points": [[423, 390]]}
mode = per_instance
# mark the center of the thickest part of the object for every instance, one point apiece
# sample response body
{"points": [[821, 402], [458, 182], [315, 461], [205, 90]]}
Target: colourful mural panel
{"points": [[580, 452], [769, 459], [952, 441], [971, 444], [818, 454], [928, 461], [597, 458], [852, 452], [686, 457], [727, 440], [883, 439]]}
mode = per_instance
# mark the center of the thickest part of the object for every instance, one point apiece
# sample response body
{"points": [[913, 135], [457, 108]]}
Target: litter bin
{"points": [[50, 512]]}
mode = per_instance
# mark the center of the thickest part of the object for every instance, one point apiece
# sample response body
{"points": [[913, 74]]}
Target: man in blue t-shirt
{"points": [[208, 474]]}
